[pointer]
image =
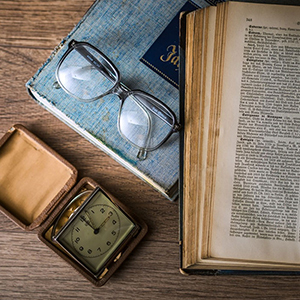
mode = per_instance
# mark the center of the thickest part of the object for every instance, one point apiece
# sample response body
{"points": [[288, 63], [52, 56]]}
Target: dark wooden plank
{"points": [[29, 270], [38, 23]]}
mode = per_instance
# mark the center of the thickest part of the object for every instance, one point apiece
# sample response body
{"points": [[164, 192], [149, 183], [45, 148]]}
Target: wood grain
{"points": [[29, 30]]}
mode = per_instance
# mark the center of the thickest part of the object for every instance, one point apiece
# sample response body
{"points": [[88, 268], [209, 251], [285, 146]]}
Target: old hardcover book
{"points": [[125, 31], [240, 152]]}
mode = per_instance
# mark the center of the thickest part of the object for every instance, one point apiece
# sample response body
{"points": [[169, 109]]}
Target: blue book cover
{"points": [[129, 33]]}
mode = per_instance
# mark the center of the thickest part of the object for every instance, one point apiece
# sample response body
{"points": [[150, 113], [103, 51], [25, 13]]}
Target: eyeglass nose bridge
{"points": [[120, 90]]}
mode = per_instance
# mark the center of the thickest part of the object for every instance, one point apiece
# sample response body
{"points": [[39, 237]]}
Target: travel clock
{"points": [[93, 230]]}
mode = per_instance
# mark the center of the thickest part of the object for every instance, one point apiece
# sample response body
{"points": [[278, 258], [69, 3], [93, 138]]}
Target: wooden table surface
{"points": [[29, 31]]}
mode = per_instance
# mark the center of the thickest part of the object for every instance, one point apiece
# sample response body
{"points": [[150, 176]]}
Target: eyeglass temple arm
{"points": [[160, 114], [142, 154], [156, 110], [94, 62]]}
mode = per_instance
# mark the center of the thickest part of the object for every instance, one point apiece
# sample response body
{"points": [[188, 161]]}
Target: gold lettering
{"points": [[171, 56], [175, 61]]}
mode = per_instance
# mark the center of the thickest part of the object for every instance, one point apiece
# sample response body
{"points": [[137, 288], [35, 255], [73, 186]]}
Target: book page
{"points": [[257, 193]]}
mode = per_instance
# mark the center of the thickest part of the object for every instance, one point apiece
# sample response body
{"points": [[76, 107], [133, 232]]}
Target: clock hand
{"points": [[90, 219], [103, 223], [88, 223]]}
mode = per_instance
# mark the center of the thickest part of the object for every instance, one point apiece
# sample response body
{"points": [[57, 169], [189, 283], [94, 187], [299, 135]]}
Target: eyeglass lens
{"points": [[140, 123], [80, 76]]}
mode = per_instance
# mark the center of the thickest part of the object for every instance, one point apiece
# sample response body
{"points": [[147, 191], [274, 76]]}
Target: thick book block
{"points": [[124, 31], [240, 144]]}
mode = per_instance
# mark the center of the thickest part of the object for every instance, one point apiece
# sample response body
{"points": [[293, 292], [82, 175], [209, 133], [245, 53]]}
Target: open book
{"points": [[241, 150]]}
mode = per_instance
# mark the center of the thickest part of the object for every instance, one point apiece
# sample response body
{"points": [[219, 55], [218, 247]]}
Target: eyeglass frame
{"points": [[121, 91]]}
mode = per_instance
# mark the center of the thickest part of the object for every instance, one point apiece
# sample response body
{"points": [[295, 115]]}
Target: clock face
{"points": [[103, 220], [95, 232]]}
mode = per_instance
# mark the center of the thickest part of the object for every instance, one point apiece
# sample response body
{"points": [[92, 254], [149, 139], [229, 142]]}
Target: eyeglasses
{"points": [[87, 74]]}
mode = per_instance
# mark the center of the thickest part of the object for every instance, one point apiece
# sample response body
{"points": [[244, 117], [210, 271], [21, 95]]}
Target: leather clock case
{"points": [[36, 184]]}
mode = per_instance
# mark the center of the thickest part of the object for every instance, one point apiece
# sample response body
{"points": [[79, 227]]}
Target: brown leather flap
{"points": [[33, 177]]}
